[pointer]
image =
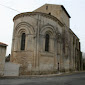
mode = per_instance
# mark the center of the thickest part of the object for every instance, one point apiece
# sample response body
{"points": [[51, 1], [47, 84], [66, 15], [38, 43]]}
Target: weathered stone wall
{"points": [[83, 64], [76, 57], [11, 69], [2, 59], [55, 10], [63, 54], [34, 55]]}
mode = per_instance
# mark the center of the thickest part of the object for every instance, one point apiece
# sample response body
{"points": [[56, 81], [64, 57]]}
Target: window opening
{"points": [[47, 42], [23, 41]]}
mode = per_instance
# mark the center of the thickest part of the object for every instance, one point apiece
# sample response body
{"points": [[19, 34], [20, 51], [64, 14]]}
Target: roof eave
{"points": [[65, 11]]}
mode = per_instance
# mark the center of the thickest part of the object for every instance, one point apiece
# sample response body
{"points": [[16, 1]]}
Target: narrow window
{"points": [[23, 41], [46, 7], [47, 42]]}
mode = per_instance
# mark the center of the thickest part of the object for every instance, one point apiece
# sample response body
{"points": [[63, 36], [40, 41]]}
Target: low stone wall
{"points": [[11, 69]]}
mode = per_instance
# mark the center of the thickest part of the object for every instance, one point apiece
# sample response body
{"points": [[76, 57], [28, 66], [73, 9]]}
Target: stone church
{"points": [[43, 42]]}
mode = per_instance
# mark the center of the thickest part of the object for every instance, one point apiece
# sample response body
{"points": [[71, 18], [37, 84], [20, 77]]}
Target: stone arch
{"points": [[48, 29], [22, 30], [24, 27]]}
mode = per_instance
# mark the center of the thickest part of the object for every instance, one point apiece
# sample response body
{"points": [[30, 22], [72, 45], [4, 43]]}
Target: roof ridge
{"points": [[3, 44]]}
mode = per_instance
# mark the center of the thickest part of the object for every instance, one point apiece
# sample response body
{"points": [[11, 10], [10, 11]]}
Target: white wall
{"points": [[11, 69], [2, 59]]}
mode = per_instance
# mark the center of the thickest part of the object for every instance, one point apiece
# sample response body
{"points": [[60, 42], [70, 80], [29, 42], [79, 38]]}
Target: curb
{"points": [[41, 76]]}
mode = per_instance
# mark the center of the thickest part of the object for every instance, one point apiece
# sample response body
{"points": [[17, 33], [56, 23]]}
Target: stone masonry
{"points": [[43, 42]]}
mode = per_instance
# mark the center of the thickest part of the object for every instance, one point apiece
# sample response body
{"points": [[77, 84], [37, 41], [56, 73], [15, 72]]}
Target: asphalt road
{"points": [[71, 79]]}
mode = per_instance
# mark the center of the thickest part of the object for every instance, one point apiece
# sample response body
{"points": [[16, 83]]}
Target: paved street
{"points": [[71, 79]]}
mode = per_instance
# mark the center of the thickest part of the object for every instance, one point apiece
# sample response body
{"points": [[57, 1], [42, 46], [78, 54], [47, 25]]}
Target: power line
{"points": [[9, 8], [14, 10], [19, 12]]}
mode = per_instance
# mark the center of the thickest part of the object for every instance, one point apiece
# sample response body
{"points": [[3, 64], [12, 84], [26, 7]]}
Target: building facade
{"points": [[43, 42], [84, 64], [2, 57]]}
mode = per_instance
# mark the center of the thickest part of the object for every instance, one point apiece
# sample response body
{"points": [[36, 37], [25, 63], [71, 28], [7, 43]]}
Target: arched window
{"points": [[23, 41], [47, 42]]}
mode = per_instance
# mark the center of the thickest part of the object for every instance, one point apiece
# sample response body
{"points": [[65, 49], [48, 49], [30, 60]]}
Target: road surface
{"points": [[70, 79]]}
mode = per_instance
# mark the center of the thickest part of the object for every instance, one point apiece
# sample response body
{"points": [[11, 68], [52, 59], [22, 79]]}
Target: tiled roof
{"points": [[3, 44]]}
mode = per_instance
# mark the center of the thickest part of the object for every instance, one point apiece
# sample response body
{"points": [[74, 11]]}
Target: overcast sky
{"points": [[76, 9]]}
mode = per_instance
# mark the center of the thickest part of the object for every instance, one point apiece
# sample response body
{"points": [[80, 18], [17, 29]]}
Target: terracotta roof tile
{"points": [[3, 44]]}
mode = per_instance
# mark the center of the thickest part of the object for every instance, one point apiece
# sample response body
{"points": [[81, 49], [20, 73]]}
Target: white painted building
{"points": [[2, 57]]}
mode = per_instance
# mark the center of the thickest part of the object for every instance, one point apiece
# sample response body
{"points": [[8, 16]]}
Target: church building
{"points": [[43, 42]]}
